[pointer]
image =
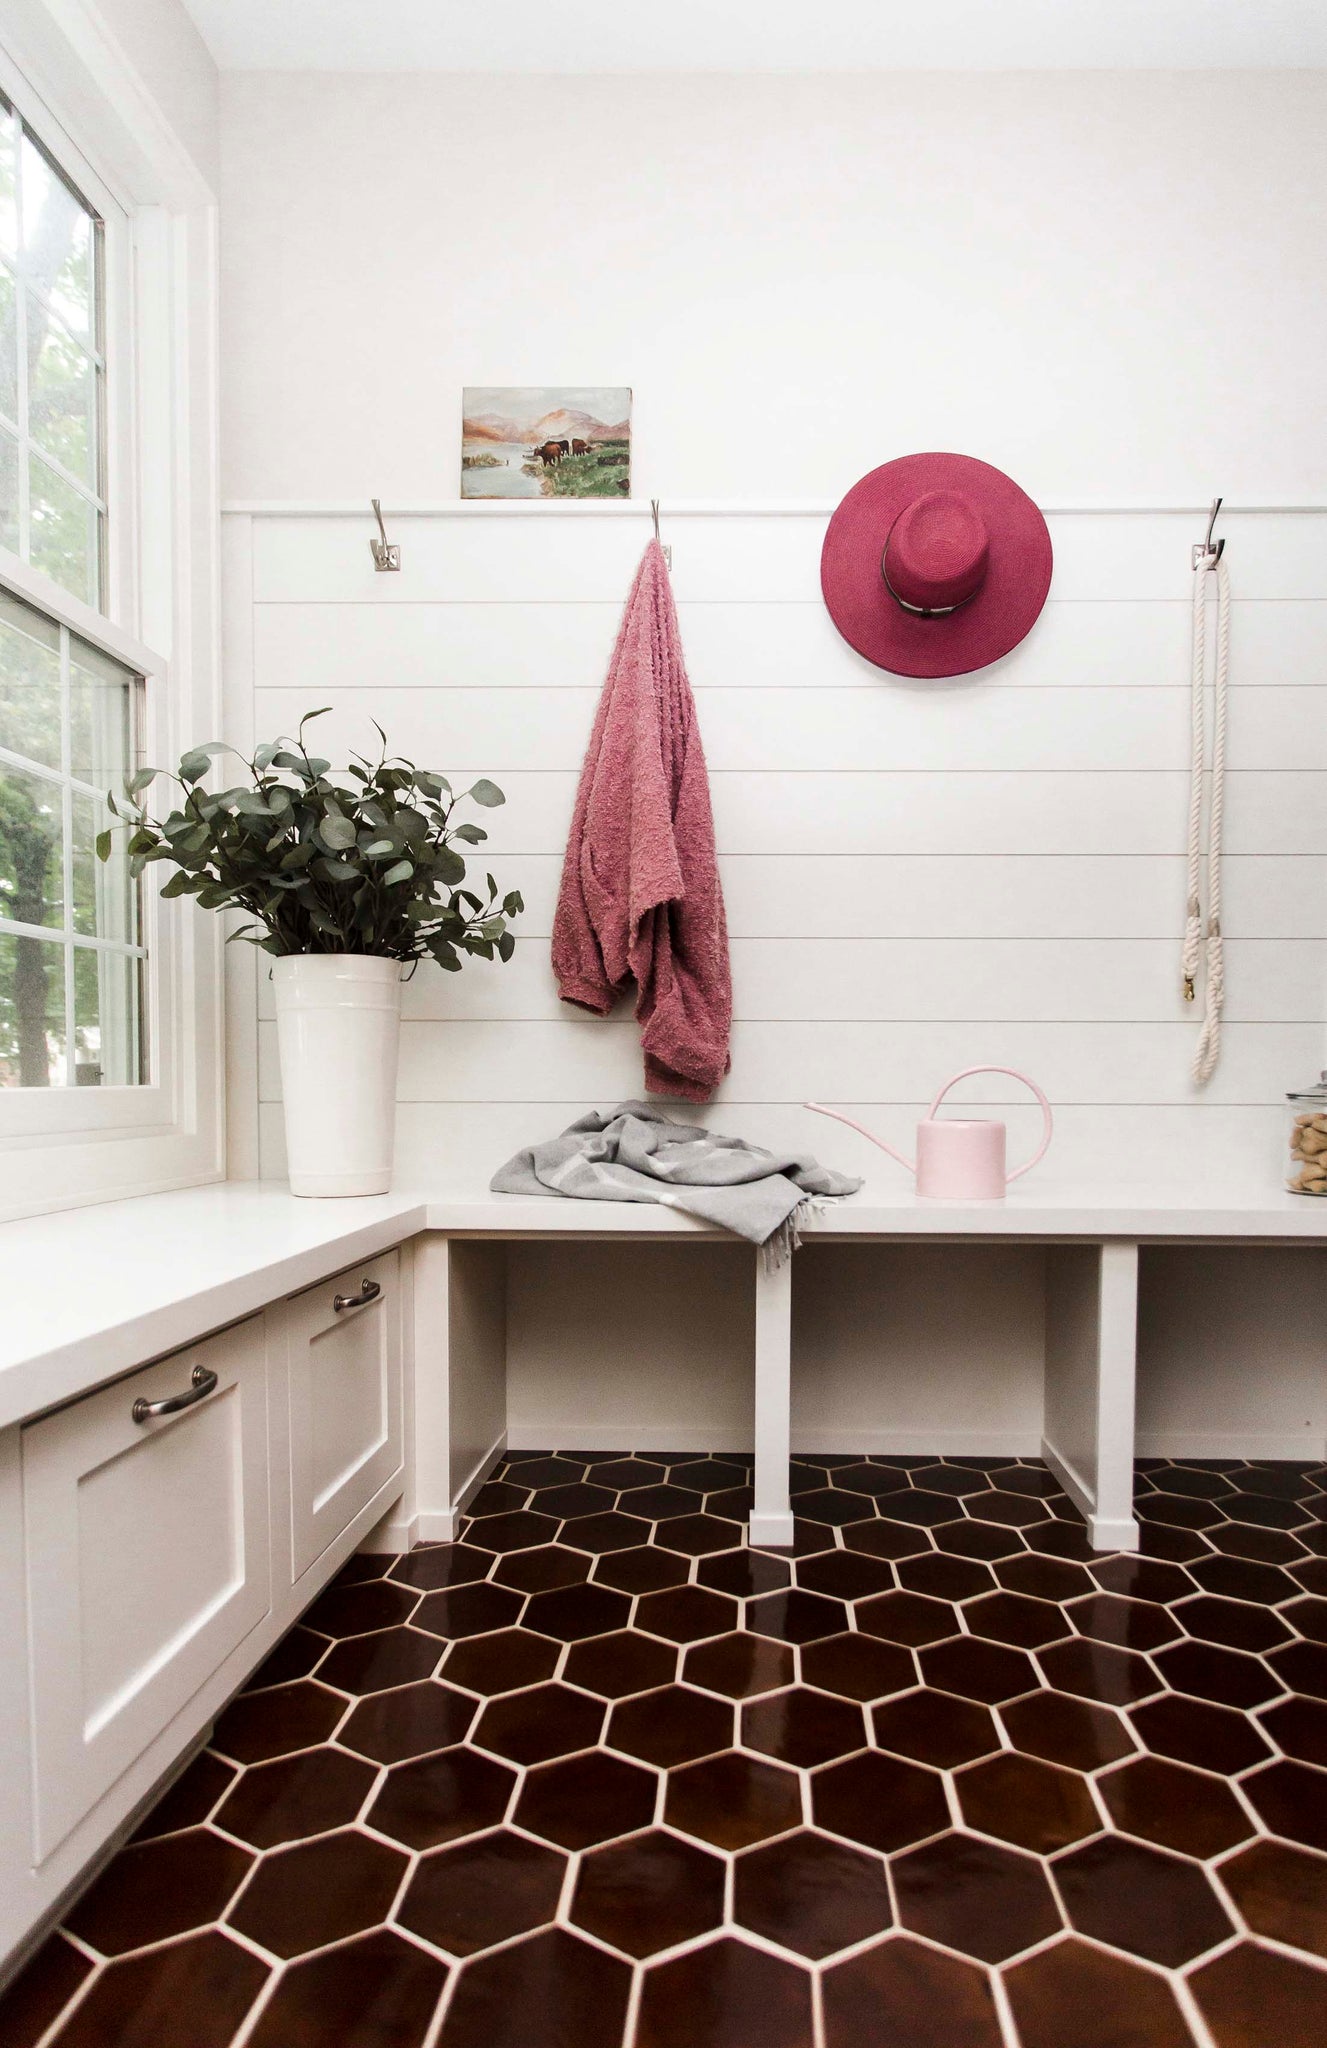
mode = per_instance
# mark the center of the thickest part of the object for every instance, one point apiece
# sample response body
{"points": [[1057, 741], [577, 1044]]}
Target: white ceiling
{"points": [[763, 35]]}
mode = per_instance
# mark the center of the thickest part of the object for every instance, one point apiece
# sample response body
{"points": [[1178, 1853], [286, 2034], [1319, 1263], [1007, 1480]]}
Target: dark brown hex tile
{"points": [[917, 1508], [1043, 1578], [879, 1801], [739, 1666], [979, 1671], [498, 1497], [543, 1468], [1309, 1617], [1235, 1623], [295, 1796], [1301, 1667], [863, 1478], [811, 1895], [687, 1614], [1015, 1619], [519, 1531], [442, 1564], [190, 1800], [1173, 1546], [1128, 1624], [601, 1533], [795, 1616], [1236, 1578], [1261, 1546], [1030, 1479], [468, 1611], [628, 1475], [1178, 1511], [746, 1572], [578, 1498], [393, 1656], [1174, 1806], [1098, 1671], [671, 1726], [259, 1725], [586, 1799], [197, 1990], [930, 1998], [318, 1892], [909, 1618], [1299, 1728], [858, 1667], [1132, 1896], [944, 1577], [500, 1663], [551, 1987], [294, 1657], [649, 1893], [1011, 1510], [644, 1570], [617, 1665], [439, 1798], [41, 1991], [575, 1612], [1229, 1678], [698, 1535], [891, 1540], [354, 1610], [659, 1503], [394, 1726], [1074, 1996], [482, 1892], [1141, 1578], [1251, 1997], [711, 1994], [1035, 1805], [377, 1989], [803, 1727], [1076, 1733], [1292, 1799], [835, 1507], [984, 1901], [542, 1569], [1266, 1514], [935, 1728], [845, 1575], [152, 1890], [708, 1475], [533, 1727], [732, 1800], [1195, 1732], [1064, 1539], [1281, 1893], [987, 1541]]}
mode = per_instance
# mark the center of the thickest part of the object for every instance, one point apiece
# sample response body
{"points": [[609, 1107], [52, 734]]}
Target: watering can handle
{"points": [[853, 1125], [1047, 1121]]}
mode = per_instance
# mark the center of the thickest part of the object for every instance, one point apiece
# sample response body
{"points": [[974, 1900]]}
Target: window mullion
{"points": [[21, 344], [67, 851]]}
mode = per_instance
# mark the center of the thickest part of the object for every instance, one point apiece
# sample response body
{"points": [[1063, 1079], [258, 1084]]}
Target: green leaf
{"points": [[194, 766], [139, 780], [179, 885], [402, 872], [376, 848], [487, 793], [337, 832], [473, 835], [506, 946], [103, 846]]}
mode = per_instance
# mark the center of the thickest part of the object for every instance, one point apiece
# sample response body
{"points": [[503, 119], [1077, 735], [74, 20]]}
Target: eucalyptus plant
{"points": [[366, 861]]}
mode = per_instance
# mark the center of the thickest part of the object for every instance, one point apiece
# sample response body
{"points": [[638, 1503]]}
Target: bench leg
{"points": [[1091, 1343], [771, 1517]]}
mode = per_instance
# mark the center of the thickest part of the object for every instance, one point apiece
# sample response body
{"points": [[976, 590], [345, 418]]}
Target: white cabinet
{"points": [[343, 1342], [147, 1560]]}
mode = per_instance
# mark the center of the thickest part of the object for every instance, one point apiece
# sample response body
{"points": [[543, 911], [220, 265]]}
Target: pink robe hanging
{"points": [[640, 897]]}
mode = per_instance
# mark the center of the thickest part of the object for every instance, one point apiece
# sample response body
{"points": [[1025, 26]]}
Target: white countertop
{"points": [[91, 1293]]}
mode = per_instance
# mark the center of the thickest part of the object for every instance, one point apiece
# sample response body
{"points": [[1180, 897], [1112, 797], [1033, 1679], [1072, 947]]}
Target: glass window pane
{"points": [[62, 394], [101, 717], [63, 532], [31, 849], [8, 188], [105, 1019], [8, 345], [104, 894], [8, 492], [29, 682], [32, 1013], [57, 239]]}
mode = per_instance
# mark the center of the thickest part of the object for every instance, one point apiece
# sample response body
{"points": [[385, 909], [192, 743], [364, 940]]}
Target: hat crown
{"points": [[936, 552]]}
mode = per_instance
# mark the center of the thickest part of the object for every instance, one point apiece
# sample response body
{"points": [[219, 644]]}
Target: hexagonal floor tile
{"points": [[879, 1801], [711, 1993], [500, 1663], [1292, 1799], [152, 1890], [1099, 1671], [586, 1799], [1015, 1619], [469, 1610], [1251, 1997], [811, 1895], [518, 1531], [575, 1612], [1175, 1807], [258, 1725], [1134, 1897], [436, 1565], [368, 1664], [1281, 1893], [732, 1800], [1194, 1732], [483, 1891], [974, 1896], [907, 1618], [646, 1569], [206, 1984], [1074, 1996], [318, 1892], [353, 1610], [617, 1665], [532, 1727], [542, 1569], [391, 1727], [796, 1616], [1035, 1805], [295, 1796], [858, 1667], [649, 1893], [673, 1725], [686, 1614], [379, 1986], [977, 1670], [934, 1728], [930, 1998], [1230, 1678], [1076, 1733], [803, 1727], [845, 1574], [439, 1798], [601, 1533], [740, 1665]]}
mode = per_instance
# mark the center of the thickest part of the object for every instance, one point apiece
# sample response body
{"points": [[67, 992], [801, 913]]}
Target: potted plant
{"points": [[351, 878]]}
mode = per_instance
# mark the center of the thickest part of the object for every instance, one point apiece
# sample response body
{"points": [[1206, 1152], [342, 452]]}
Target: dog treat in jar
{"points": [[1308, 1140]]}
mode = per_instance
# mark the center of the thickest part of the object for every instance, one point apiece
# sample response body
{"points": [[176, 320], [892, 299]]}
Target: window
{"points": [[52, 368], [71, 961]]}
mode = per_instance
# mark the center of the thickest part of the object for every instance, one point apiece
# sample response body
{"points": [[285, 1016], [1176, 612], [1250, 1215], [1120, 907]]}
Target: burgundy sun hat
{"points": [[935, 565]]}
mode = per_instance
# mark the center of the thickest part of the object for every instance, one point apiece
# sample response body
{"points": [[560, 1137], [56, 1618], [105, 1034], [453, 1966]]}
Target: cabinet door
{"points": [[147, 1560], [345, 1401]]}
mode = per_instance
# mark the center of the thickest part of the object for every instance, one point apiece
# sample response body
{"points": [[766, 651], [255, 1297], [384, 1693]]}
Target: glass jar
{"points": [[1308, 1140]]}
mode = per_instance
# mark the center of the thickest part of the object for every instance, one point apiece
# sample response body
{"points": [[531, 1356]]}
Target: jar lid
{"points": [[1317, 1093]]}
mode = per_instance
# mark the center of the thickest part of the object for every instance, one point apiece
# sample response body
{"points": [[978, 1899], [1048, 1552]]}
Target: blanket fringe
{"points": [[780, 1246]]}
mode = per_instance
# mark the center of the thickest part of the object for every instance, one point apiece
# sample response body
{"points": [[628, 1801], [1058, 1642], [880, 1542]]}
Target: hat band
{"points": [[921, 611]]}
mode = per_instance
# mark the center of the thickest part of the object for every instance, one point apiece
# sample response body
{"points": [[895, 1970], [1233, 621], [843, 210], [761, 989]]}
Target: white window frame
{"points": [[63, 1147]]}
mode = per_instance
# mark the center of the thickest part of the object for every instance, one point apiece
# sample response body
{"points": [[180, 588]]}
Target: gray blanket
{"points": [[636, 1154]]}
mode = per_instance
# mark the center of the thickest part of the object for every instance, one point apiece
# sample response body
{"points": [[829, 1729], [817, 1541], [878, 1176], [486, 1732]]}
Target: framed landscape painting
{"points": [[546, 441]]}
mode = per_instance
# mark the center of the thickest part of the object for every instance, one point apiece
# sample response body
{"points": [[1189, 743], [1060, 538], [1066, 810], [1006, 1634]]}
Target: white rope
{"points": [[1200, 938]]}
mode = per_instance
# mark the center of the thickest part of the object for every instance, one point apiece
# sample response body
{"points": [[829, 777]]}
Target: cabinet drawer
{"points": [[344, 1340], [147, 1560]]}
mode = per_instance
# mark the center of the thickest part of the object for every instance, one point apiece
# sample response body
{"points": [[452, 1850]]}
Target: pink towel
{"points": [[640, 897]]}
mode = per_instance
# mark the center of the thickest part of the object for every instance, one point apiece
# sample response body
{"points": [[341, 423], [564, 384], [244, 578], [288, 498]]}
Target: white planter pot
{"points": [[338, 1020]]}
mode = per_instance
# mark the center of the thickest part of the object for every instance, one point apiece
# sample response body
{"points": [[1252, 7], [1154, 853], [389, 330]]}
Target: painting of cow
{"points": [[546, 441]]}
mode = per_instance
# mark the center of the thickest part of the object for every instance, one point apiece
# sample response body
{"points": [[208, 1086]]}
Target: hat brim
{"points": [[1018, 573]]}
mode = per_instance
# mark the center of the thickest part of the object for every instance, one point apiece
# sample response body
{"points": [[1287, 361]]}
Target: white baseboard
{"points": [[771, 1529], [1244, 1443], [954, 1443]]}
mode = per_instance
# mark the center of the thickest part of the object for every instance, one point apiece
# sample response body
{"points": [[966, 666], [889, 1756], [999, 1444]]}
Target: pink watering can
{"points": [[960, 1159]]}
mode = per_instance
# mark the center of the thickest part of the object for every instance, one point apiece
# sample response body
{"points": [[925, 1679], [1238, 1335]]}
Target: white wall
{"points": [[1113, 285], [164, 47]]}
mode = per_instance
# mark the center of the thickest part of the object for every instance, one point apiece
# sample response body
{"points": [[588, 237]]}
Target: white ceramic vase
{"points": [[338, 1018]]}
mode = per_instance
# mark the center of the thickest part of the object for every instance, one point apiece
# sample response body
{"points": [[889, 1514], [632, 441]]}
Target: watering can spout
{"points": [[959, 1159]]}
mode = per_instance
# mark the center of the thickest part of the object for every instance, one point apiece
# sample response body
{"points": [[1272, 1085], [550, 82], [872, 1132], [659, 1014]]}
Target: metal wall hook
{"points": [[654, 514], [386, 554], [1205, 554]]}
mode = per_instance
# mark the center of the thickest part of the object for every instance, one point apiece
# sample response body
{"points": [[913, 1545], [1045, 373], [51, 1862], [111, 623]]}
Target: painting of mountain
{"points": [[545, 441]]}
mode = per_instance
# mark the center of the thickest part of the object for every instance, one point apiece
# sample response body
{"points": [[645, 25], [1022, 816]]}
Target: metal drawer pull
{"points": [[368, 1292], [203, 1382]]}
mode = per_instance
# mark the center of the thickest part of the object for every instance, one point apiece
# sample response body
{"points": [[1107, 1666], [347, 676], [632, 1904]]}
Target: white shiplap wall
{"points": [[919, 876]]}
